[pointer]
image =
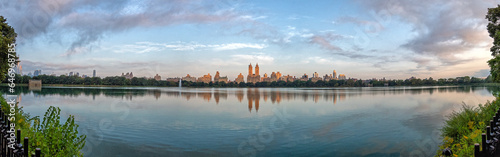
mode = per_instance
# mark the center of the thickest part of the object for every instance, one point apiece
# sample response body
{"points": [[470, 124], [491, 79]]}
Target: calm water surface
{"points": [[385, 121]]}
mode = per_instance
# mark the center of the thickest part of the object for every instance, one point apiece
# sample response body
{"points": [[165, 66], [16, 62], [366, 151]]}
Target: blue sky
{"points": [[361, 39]]}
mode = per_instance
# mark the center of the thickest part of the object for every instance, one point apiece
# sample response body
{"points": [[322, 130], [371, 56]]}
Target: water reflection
{"points": [[252, 95], [211, 122]]}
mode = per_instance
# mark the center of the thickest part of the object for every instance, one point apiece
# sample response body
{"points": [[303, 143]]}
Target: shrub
{"points": [[464, 128], [50, 135]]}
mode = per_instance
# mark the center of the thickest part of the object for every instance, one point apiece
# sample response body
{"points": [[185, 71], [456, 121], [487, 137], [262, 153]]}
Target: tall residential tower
{"points": [[253, 78]]}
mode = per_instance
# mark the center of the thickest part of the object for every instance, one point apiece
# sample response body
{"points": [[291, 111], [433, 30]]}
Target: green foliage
{"points": [[122, 81], [54, 138], [493, 27], [7, 37], [462, 129]]}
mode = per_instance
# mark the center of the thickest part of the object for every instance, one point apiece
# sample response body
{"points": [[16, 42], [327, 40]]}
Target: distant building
{"points": [[265, 78], [37, 72], [304, 77], [205, 78], [316, 77], [217, 78], [327, 78], [93, 73], [274, 77], [19, 68], [239, 79], [253, 78], [128, 75], [288, 78], [77, 74], [157, 77], [189, 78], [175, 79], [334, 75], [342, 77], [70, 74]]}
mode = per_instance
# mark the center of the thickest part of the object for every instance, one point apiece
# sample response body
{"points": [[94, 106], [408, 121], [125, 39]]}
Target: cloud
{"points": [[375, 26], [29, 66], [318, 60], [146, 47], [441, 29], [252, 17], [298, 17], [253, 58], [242, 59], [90, 20], [327, 39], [234, 46]]}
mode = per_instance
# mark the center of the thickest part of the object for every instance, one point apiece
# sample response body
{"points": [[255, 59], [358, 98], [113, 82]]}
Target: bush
{"points": [[52, 137], [464, 128]]}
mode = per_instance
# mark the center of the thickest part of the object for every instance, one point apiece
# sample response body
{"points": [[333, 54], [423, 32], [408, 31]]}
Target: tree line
{"points": [[122, 81]]}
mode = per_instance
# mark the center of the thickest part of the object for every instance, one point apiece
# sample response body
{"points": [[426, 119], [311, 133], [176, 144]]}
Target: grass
{"points": [[463, 128]]}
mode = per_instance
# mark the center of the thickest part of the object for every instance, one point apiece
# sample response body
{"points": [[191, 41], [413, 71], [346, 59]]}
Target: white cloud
{"points": [[146, 47], [242, 60], [234, 46], [318, 60], [249, 17], [253, 58]]}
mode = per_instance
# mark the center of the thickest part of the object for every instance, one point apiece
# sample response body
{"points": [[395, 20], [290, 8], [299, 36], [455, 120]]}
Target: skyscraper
{"points": [[157, 77], [239, 79], [37, 72], [206, 78], [93, 74], [334, 75], [19, 68], [250, 69], [315, 77], [315, 74], [256, 69], [253, 78], [342, 77], [218, 78]]}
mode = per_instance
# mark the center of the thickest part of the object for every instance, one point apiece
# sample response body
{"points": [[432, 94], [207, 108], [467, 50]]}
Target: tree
{"points": [[7, 39], [493, 27]]}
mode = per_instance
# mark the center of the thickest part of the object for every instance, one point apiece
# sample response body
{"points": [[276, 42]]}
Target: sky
{"points": [[363, 39]]}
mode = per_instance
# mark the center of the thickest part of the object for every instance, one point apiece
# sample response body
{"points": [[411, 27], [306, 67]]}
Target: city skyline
{"points": [[363, 39], [272, 77]]}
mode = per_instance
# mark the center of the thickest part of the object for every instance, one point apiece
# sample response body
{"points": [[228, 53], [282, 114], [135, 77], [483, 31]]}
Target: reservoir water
{"points": [[147, 121]]}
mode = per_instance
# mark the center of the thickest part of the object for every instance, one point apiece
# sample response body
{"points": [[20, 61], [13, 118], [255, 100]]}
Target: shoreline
{"points": [[72, 85]]}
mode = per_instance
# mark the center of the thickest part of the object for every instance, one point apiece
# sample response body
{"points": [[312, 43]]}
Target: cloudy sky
{"points": [[363, 39]]}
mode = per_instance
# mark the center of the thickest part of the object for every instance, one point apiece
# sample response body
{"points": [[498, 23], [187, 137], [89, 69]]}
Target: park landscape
{"points": [[406, 86]]}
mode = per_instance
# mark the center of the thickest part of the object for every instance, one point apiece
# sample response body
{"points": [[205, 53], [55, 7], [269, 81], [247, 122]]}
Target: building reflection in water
{"points": [[239, 95], [157, 94], [205, 96], [219, 95], [253, 95], [188, 95]]}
